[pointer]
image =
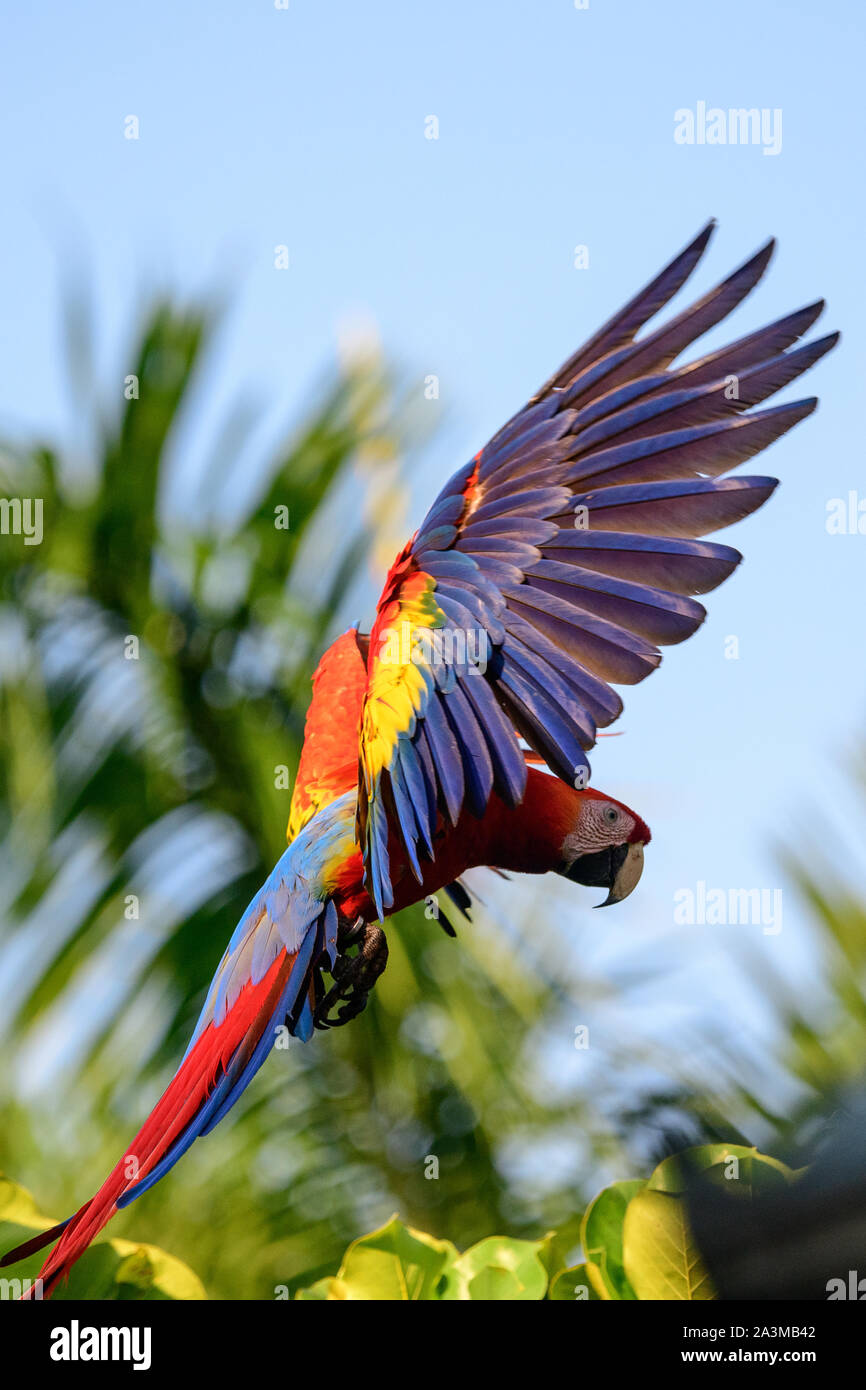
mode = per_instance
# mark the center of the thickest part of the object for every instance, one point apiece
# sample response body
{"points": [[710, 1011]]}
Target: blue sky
{"points": [[306, 127]]}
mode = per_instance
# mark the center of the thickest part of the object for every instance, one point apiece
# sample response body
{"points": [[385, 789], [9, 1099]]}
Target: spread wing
{"points": [[556, 563]]}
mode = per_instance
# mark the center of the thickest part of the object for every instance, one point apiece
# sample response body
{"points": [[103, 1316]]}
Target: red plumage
{"points": [[189, 1088], [574, 541]]}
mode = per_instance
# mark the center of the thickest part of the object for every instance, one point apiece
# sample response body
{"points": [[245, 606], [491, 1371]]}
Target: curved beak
{"points": [[627, 877], [618, 869]]}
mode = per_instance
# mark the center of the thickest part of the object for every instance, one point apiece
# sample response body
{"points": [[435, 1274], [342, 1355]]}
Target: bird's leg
{"points": [[354, 976]]}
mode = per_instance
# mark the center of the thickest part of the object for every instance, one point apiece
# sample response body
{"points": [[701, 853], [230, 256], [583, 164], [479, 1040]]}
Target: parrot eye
{"points": [[611, 815]]}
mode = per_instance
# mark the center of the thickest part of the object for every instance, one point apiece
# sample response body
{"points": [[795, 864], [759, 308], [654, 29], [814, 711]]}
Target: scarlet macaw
{"points": [[569, 544]]}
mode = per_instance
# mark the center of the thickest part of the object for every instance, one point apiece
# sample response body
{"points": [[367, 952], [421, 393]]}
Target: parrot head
{"points": [[604, 847]]}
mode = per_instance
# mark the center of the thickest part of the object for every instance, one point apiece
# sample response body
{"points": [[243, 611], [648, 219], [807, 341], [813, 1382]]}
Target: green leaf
{"points": [[394, 1262], [398, 1263], [660, 1256], [557, 1245], [574, 1286], [323, 1289], [498, 1268], [18, 1210], [601, 1238], [123, 1269], [740, 1170], [114, 1269]]}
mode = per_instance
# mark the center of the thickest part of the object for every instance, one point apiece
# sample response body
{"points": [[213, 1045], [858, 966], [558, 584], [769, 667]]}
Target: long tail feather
{"points": [[229, 1046]]}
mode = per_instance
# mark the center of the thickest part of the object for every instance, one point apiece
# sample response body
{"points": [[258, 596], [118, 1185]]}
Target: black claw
{"points": [[354, 977]]}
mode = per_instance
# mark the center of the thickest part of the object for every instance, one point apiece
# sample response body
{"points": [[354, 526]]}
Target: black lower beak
{"points": [[598, 870], [618, 869]]}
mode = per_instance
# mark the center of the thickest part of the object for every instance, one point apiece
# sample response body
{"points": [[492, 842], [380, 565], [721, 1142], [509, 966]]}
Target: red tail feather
{"points": [[190, 1087]]}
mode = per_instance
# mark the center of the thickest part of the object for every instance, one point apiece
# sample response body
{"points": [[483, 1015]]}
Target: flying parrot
{"points": [[551, 568]]}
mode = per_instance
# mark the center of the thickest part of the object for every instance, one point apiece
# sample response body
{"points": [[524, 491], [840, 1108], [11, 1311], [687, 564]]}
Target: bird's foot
{"points": [[354, 977]]}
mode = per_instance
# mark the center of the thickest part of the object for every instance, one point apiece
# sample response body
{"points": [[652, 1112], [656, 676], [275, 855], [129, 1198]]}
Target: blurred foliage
{"points": [[154, 675], [791, 1089], [397, 1263], [116, 1270], [635, 1238]]}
